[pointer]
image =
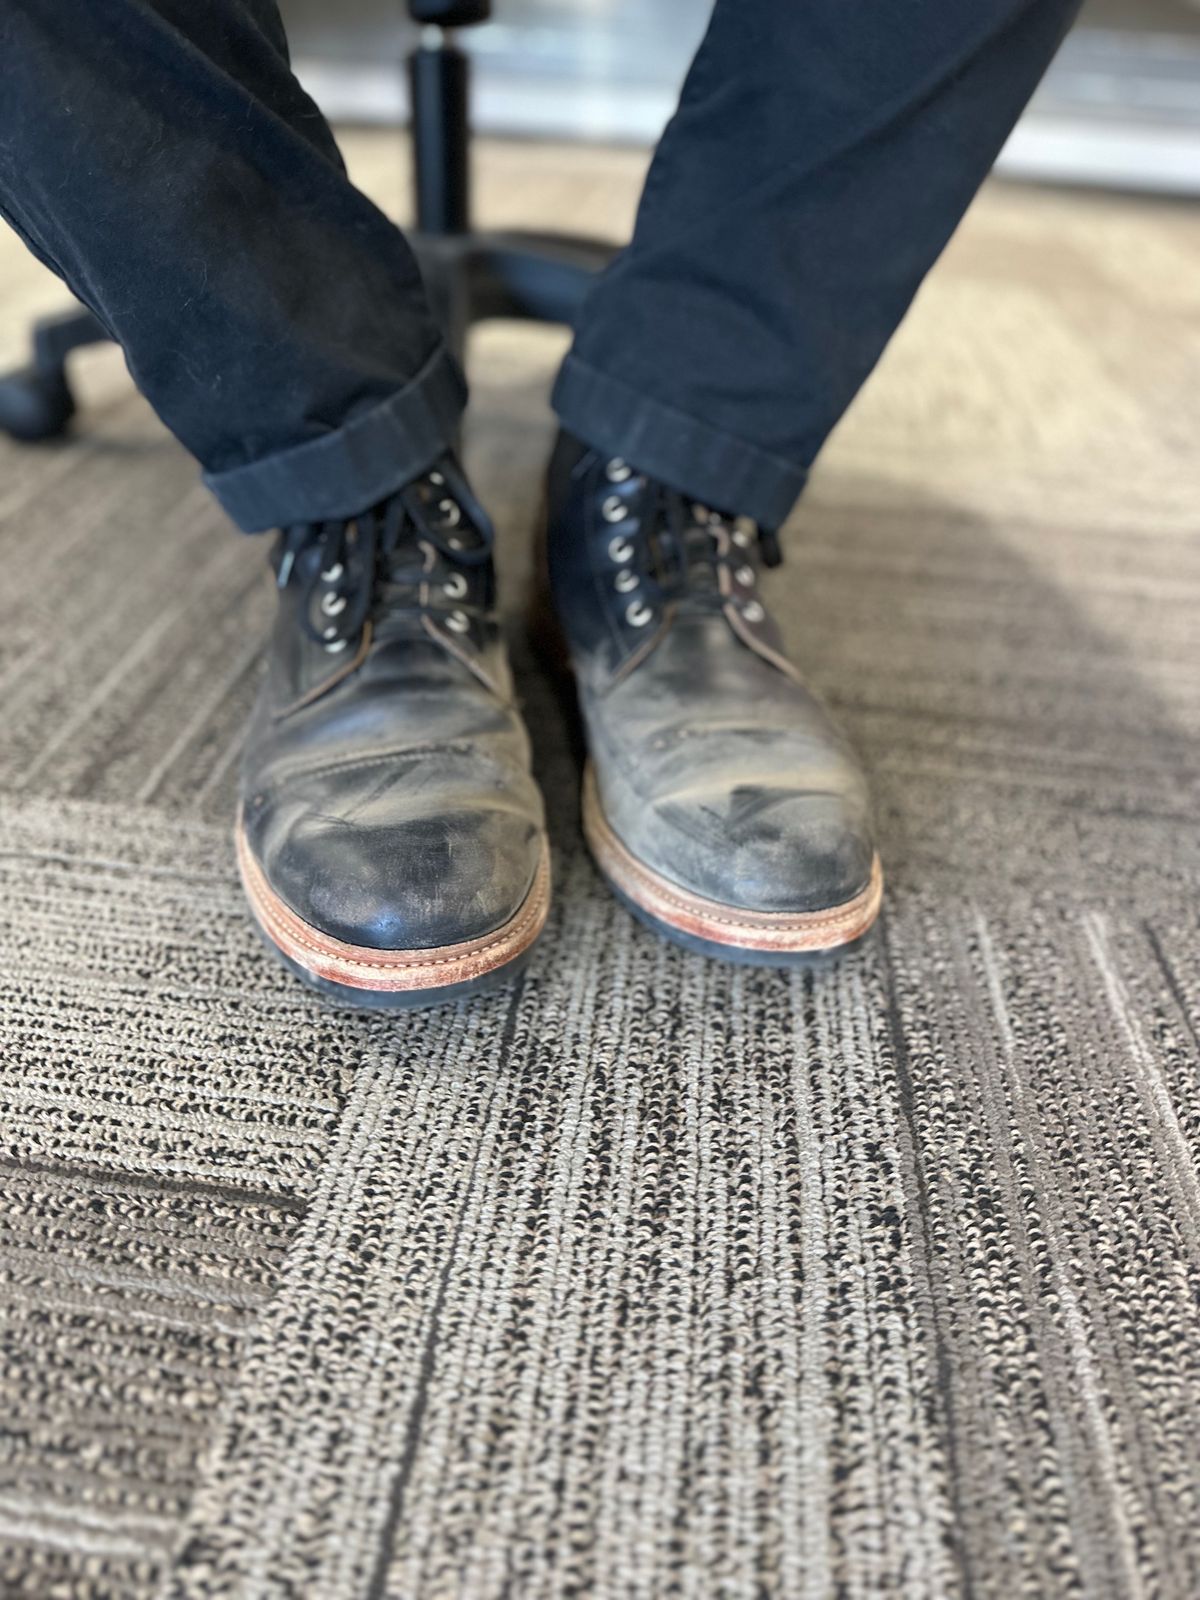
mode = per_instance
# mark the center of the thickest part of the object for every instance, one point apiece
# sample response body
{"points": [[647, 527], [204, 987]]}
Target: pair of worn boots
{"points": [[391, 838]]}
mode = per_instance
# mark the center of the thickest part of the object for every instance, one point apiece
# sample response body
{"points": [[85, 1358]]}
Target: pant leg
{"points": [[821, 156], [162, 158]]}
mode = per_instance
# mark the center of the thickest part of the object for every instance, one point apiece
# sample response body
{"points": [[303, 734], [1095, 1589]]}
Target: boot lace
{"points": [[686, 546], [425, 550]]}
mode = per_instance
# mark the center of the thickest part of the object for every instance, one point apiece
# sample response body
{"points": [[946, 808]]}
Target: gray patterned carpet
{"points": [[654, 1278]]}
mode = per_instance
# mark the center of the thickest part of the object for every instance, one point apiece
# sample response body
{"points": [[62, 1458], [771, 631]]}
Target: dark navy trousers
{"points": [[161, 157]]}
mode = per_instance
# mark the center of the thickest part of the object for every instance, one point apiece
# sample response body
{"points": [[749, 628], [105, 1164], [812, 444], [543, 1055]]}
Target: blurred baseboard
{"points": [[502, 103], [1120, 106], [1062, 149]]}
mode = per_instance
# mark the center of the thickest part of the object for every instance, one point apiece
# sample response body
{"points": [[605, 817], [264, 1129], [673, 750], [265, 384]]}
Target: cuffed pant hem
{"points": [[357, 465], [683, 452]]}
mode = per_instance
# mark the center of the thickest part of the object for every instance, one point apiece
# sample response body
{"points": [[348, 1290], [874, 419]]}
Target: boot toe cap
{"points": [[421, 884], [770, 850]]}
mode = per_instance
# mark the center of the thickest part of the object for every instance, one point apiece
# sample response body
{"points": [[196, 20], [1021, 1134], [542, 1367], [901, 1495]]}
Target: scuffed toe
{"points": [[422, 884], [770, 851]]}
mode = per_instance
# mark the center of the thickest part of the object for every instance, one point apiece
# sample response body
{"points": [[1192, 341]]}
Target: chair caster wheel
{"points": [[35, 404]]}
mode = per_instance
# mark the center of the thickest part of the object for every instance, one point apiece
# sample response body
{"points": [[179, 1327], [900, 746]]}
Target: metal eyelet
{"points": [[625, 580], [333, 574], [614, 509], [451, 510], [458, 622], [620, 550], [618, 471], [334, 644], [437, 480], [638, 614], [741, 538], [753, 612], [333, 604], [455, 586], [745, 576]]}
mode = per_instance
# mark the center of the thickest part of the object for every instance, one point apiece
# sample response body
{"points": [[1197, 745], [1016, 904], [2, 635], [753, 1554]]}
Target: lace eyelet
{"points": [[753, 612], [332, 605], [458, 622], [334, 573], [745, 576], [618, 471], [638, 614], [741, 538], [620, 550], [437, 480], [614, 509], [451, 510], [625, 581], [332, 643], [455, 586]]}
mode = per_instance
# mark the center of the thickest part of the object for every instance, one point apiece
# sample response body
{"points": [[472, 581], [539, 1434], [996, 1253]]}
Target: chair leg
{"points": [[36, 401], [541, 277], [538, 277]]}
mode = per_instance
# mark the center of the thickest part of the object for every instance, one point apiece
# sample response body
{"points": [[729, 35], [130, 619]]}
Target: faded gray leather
{"points": [[715, 765], [394, 808]]}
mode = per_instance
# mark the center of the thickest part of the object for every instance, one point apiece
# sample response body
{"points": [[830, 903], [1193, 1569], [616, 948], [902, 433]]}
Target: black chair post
{"points": [[439, 87]]}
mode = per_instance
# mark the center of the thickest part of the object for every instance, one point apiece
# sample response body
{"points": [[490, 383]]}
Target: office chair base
{"points": [[537, 277]]}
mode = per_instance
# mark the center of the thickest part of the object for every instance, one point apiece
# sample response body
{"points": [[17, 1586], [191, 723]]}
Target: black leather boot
{"points": [[390, 837], [720, 801]]}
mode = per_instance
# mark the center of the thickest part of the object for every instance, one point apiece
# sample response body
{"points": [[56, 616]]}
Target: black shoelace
{"points": [[688, 550], [418, 552]]}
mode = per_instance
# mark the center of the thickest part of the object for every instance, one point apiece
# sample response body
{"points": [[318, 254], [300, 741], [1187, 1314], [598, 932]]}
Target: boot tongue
{"points": [[701, 553], [697, 540]]}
